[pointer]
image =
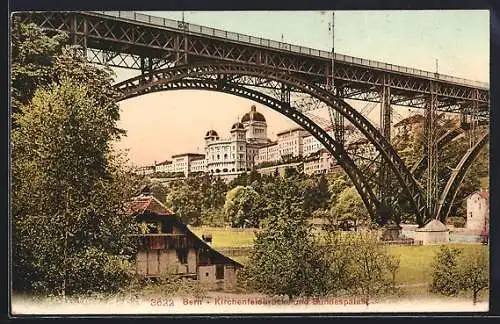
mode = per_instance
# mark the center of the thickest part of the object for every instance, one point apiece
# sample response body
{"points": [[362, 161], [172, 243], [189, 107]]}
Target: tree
{"points": [[241, 207], [370, 266], [445, 278], [158, 191], [69, 189], [315, 192], [454, 270], [284, 260], [349, 211], [393, 267], [473, 271], [184, 201], [33, 56]]}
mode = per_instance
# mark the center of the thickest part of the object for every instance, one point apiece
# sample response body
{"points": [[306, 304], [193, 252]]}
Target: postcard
{"points": [[241, 162]]}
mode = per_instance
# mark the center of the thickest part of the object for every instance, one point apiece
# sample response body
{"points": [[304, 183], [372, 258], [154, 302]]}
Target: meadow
{"points": [[415, 261]]}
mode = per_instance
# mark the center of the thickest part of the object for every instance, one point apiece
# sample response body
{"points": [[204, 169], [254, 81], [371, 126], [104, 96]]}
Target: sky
{"points": [[165, 123]]}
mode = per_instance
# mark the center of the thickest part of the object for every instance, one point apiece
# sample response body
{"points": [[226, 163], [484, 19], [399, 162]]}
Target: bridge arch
{"points": [[419, 166], [450, 191], [224, 77]]}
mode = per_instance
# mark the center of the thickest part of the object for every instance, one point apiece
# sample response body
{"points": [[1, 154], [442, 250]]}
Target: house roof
{"points": [[145, 203], [485, 194], [433, 226], [148, 203]]}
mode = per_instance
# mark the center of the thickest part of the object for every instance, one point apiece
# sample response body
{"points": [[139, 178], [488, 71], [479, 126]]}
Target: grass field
{"points": [[415, 261], [223, 237]]}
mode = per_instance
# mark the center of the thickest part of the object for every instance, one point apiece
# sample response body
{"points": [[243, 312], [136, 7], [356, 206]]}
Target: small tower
{"points": [[239, 142], [210, 137]]}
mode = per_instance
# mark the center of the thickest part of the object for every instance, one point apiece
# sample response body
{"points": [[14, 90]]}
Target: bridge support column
{"points": [[336, 118], [385, 129], [79, 37], [473, 131], [431, 136], [285, 94]]}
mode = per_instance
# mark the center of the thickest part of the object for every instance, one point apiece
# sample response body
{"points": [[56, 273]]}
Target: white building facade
{"points": [[268, 153], [291, 142], [183, 162], [319, 162], [240, 152], [165, 166], [478, 211]]}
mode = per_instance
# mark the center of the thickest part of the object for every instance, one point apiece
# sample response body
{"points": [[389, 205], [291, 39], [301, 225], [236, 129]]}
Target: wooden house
{"points": [[167, 246]]}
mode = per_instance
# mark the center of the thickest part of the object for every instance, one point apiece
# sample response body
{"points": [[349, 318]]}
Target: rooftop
{"points": [[189, 155], [433, 226], [485, 194], [291, 130], [148, 203]]}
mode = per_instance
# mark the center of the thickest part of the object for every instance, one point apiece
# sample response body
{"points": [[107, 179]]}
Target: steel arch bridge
{"points": [[175, 55]]}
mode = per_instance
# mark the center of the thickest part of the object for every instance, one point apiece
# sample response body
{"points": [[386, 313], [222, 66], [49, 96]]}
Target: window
{"points": [[219, 271]]}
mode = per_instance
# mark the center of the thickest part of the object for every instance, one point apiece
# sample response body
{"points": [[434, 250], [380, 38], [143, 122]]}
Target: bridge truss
{"points": [[176, 55]]}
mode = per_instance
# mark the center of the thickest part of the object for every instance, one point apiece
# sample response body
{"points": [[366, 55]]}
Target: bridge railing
{"points": [[198, 29]]}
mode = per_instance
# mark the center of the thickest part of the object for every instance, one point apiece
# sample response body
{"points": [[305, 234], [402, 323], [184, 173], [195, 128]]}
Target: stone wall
{"points": [[229, 277], [191, 259], [432, 237]]}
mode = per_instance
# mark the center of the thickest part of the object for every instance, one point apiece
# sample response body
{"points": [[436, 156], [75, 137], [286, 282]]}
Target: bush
{"points": [[445, 278], [165, 286]]}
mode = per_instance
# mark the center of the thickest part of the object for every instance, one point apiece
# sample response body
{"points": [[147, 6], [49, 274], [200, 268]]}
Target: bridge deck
{"points": [[281, 46], [137, 41]]}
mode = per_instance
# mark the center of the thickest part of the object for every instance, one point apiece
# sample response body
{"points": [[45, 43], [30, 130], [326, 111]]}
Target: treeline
{"points": [[245, 202]]}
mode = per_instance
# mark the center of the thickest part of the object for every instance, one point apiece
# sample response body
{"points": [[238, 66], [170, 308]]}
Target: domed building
{"points": [[237, 153], [256, 126]]}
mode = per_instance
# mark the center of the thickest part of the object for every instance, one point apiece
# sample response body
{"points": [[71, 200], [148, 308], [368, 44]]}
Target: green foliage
{"points": [[370, 266], [68, 187], [349, 211], [315, 192], [473, 272], [455, 270], [284, 260], [68, 192], [445, 278], [33, 57], [184, 202], [158, 191], [196, 199], [241, 207]]}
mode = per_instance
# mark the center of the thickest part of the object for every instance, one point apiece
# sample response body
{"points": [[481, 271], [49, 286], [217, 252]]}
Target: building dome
{"points": [[212, 133], [253, 115], [237, 126]]}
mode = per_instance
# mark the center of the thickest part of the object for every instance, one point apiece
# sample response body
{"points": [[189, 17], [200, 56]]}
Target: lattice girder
{"points": [[137, 86]]}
